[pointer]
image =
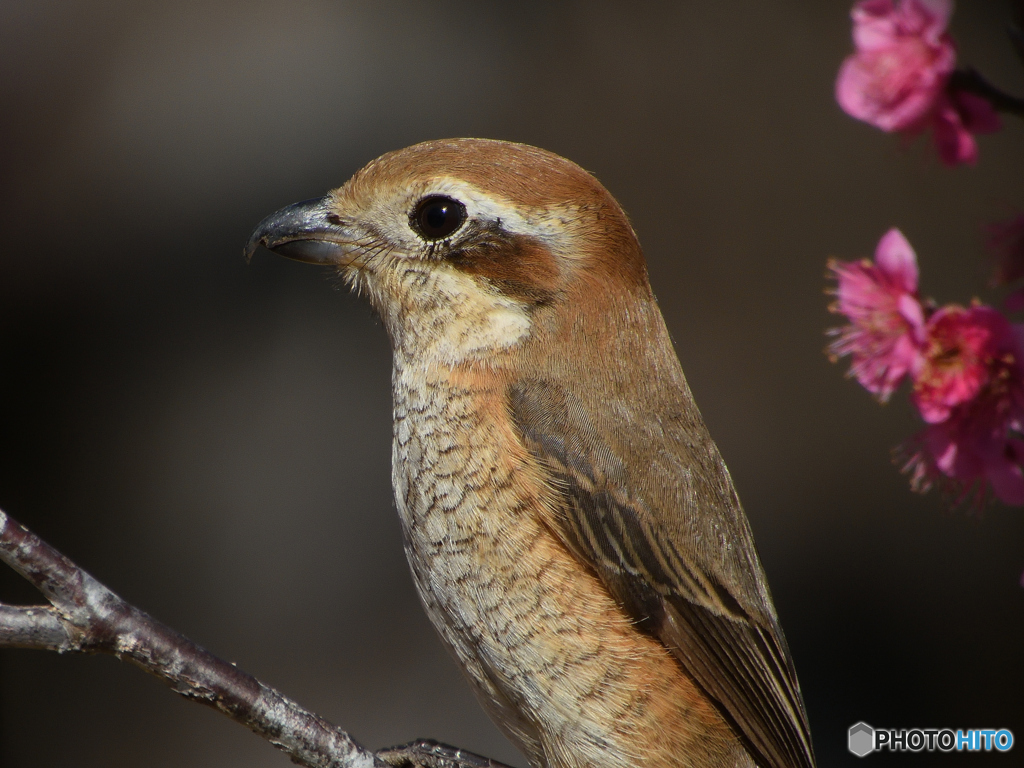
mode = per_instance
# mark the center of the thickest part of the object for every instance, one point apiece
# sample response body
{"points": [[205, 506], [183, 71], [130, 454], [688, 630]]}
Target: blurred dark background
{"points": [[212, 439]]}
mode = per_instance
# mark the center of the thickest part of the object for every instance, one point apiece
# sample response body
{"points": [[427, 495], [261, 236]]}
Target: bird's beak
{"points": [[306, 231]]}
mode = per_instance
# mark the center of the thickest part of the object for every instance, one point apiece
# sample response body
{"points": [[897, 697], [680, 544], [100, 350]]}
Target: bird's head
{"points": [[467, 247]]}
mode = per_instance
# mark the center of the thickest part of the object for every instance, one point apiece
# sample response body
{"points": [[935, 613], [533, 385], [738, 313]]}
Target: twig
{"points": [[86, 617], [972, 81], [1016, 31]]}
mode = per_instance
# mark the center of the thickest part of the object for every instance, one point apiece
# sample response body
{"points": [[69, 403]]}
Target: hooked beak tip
{"points": [[251, 246]]}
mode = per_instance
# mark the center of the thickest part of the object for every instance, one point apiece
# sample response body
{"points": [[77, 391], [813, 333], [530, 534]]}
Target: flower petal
{"points": [[874, 24], [1005, 474], [895, 256], [1006, 241], [953, 141], [976, 113]]}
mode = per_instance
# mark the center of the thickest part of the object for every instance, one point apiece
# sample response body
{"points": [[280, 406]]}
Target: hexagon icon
{"points": [[861, 739]]}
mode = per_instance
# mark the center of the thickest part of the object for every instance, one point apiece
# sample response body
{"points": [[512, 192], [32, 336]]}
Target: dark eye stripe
{"points": [[519, 266]]}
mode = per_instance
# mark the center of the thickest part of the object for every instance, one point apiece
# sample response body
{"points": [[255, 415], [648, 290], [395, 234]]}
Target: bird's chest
{"points": [[466, 519], [506, 598]]}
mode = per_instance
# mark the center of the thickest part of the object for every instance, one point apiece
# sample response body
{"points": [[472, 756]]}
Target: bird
{"points": [[571, 528]]}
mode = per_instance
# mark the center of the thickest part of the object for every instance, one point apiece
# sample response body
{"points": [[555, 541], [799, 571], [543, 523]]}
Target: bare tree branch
{"points": [[86, 617], [1016, 30], [36, 627], [972, 81]]}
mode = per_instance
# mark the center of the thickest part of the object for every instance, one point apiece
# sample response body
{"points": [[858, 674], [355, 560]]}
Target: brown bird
{"points": [[572, 529]]}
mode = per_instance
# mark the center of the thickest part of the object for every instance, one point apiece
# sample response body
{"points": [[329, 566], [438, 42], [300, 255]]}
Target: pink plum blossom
{"points": [[962, 352], [958, 116], [966, 454], [903, 61], [1006, 240], [966, 365], [897, 79], [979, 443], [885, 335]]}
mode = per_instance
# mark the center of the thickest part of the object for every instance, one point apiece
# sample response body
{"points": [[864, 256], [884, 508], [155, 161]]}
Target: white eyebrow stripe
{"points": [[547, 225]]}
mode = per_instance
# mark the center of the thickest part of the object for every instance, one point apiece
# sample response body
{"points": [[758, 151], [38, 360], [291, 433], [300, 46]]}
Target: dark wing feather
{"points": [[727, 640]]}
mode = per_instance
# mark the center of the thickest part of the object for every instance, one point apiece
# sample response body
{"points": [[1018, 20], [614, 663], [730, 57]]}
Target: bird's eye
{"points": [[437, 216]]}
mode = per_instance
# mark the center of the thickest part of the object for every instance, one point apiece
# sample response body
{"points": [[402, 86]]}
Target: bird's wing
{"points": [[688, 575]]}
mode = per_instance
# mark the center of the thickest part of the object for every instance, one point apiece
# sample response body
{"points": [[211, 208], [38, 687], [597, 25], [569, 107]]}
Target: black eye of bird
{"points": [[437, 216]]}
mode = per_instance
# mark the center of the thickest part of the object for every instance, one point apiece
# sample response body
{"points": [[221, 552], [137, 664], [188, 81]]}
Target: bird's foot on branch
{"points": [[427, 753]]}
